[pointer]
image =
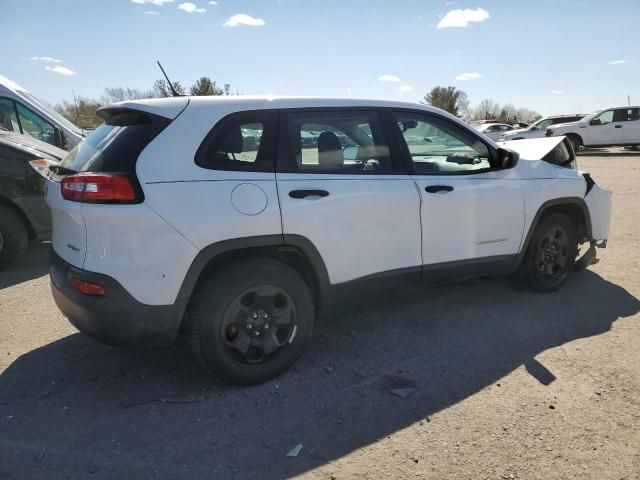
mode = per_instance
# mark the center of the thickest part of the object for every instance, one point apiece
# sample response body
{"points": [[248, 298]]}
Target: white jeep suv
{"points": [[604, 128], [233, 219]]}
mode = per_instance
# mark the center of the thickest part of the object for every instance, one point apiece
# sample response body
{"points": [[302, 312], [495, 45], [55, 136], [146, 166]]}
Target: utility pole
{"points": [[629, 100]]}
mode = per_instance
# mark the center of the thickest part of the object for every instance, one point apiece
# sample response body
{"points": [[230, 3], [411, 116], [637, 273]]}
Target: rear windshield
{"points": [[116, 144]]}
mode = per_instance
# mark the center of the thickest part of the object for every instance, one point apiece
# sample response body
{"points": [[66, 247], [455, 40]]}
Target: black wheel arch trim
{"points": [[556, 202], [280, 241]]}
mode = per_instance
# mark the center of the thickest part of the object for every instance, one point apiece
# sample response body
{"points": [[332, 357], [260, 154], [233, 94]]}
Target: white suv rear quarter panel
{"points": [[132, 244], [69, 236]]}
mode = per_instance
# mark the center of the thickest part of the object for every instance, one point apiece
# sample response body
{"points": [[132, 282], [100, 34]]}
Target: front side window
{"points": [[35, 126], [240, 142], [8, 117], [337, 142], [543, 124], [437, 146], [604, 118]]}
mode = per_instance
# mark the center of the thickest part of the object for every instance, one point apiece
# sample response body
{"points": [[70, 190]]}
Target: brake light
{"points": [[87, 288], [98, 188]]}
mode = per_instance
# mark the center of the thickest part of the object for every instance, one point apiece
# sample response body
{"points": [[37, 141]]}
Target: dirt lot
{"points": [[508, 384]]}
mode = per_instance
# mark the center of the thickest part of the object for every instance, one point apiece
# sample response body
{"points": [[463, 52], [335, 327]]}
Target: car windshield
{"points": [[51, 112]]}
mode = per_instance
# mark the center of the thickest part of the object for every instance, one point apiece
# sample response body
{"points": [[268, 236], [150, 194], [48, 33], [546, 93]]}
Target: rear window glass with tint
{"points": [[116, 144], [242, 141]]}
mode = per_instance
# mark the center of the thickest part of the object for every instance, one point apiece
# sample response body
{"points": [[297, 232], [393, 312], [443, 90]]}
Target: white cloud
{"points": [[468, 76], [462, 18], [157, 3], [618, 62], [557, 92], [388, 78], [151, 12], [67, 72], [190, 8], [244, 19], [46, 59], [213, 2], [405, 89]]}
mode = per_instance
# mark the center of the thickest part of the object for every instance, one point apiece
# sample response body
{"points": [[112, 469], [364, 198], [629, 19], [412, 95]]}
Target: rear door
{"points": [[339, 187], [631, 127], [471, 212]]}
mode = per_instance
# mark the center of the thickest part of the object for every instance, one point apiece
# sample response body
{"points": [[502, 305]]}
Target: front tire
{"points": [[551, 254], [250, 322], [576, 142], [13, 237]]}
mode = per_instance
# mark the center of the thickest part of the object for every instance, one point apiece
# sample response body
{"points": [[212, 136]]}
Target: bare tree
{"points": [[82, 112], [487, 109], [508, 114], [120, 94], [528, 116]]}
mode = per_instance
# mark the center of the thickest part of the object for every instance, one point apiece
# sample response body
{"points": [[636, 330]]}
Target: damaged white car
{"points": [[216, 216]]}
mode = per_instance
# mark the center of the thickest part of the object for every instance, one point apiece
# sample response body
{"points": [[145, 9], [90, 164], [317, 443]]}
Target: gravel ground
{"points": [[505, 383]]}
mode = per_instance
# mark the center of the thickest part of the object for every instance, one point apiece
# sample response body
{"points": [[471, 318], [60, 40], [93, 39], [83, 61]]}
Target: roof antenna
{"points": [[173, 90]]}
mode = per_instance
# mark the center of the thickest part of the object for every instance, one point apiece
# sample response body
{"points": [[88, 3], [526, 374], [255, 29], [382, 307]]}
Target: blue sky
{"points": [[587, 51]]}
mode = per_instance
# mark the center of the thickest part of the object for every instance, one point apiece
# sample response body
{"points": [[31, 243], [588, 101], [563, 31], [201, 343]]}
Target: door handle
{"points": [[438, 188], [308, 193], [618, 126]]}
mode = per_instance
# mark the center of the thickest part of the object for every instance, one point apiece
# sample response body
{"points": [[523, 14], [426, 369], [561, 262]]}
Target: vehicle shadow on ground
{"points": [[75, 406], [597, 152], [34, 264]]}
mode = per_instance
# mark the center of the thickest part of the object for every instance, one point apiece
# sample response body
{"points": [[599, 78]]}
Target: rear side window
{"points": [[116, 144], [242, 142]]}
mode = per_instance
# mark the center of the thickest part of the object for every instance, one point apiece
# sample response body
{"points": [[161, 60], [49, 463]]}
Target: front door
{"points": [[605, 129], [472, 213], [338, 187]]}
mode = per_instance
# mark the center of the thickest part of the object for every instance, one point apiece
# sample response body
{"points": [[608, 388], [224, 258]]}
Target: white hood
{"points": [[533, 148]]}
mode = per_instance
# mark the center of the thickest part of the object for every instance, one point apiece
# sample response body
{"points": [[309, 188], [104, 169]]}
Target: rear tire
{"points": [[249, 322], [551, 254], [13, 237]]}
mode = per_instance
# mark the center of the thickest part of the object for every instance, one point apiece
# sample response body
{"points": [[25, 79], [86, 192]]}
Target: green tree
{"points": [[204, 86], [449, 99], [161, 88]]}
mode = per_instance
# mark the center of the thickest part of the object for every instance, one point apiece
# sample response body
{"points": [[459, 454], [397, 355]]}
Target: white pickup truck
{"points": [[611, 127]]}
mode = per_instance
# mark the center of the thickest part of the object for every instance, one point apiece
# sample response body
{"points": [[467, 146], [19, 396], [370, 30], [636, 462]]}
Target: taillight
{"points": [[98, 188], [87, 288], [41, 165]]}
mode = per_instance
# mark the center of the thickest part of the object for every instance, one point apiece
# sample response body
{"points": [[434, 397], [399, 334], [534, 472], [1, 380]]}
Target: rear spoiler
{"points": [[164, 107]]}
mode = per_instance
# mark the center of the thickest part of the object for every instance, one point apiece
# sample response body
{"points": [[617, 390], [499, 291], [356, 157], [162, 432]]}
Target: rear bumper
{"points": [[115, 318]]}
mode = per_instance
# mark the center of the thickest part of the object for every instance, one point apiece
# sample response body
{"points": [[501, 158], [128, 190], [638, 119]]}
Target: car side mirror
{"points": [[350, 153], [596, 121], [506, 158]]}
